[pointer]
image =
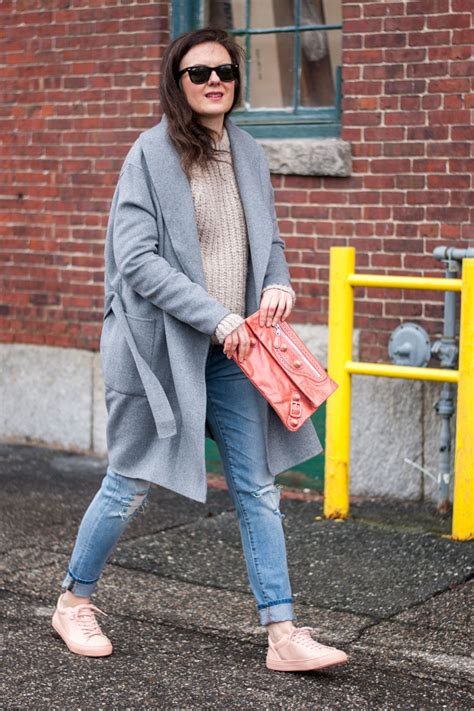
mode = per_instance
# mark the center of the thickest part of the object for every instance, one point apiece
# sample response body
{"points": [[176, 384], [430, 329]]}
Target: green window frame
{"points": [[299, 122]]}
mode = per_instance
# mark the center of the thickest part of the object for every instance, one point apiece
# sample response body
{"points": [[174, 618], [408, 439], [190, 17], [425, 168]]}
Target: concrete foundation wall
{"points": [[52, 396], [55, 396]]}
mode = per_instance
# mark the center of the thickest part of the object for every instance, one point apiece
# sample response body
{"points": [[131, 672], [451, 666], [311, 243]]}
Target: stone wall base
{"points": [[55, 396]]}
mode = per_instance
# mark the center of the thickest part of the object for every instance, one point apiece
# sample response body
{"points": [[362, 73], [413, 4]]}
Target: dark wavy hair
{"points": [[192, 140]]}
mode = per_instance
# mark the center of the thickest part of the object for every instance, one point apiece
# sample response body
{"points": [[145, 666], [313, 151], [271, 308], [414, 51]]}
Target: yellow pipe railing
{"points": [[341, 366], [404, 282], [402, 371], [338, 406], [463, 495]]}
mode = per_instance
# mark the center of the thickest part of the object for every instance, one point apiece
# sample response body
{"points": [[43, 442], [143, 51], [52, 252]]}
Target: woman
{"points": [[192, 248]]}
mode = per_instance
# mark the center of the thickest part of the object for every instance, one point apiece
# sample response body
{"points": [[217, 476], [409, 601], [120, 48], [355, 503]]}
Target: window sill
{"points": [[308, 156]]}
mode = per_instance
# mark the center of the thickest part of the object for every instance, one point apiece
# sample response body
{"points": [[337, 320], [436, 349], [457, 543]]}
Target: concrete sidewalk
{"points": [[387, 585]]}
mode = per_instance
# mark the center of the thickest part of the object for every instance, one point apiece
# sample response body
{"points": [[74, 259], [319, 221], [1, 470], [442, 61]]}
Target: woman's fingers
{"points": [[229, 344], [238, 341], [275, 305], [284, 305], [288, 308], [268, 306], [244, 343]]}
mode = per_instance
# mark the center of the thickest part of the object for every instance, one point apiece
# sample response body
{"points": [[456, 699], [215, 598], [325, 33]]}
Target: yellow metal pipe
{"points": [[338, 407], [405, 282], [463, 495], [402, 371]]}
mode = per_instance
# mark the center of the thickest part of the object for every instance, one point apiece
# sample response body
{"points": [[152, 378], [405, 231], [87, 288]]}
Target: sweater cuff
{"points": [[228, 324], [282, 287]]}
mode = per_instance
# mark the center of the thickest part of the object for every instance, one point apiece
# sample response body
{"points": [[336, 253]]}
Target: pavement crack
{"points": [[174, 527], [179, 579], [410, 528], [391, 618]]}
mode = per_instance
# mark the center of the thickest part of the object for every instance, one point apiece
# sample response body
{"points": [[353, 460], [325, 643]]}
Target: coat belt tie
{"points": [[159, 404]]}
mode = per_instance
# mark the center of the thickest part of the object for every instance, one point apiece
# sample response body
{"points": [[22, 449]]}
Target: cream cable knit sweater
{"points": [[223, 237]]}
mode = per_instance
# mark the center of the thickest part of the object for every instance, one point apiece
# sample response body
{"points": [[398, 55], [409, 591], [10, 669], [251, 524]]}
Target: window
{"points": [[292, 77]]}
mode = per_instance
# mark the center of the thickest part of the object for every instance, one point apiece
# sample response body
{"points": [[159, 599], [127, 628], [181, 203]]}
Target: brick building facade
{"points": [[79, 83]]}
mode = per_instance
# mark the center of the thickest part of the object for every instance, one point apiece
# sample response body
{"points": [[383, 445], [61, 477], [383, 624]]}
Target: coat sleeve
{"points": [[135, 237], [277, 268]]}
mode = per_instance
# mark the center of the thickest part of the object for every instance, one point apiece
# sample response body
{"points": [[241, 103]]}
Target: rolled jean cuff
{"points": [[81, 588], [276, 611]]}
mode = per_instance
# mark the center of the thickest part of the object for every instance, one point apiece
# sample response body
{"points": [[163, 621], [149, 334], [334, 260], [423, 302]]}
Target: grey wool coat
{"points": [[159, 318]]}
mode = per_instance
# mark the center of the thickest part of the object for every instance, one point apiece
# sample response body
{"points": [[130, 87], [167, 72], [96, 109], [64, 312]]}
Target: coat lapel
{"points": [[175, 197], [177, 206], [257, 215]]}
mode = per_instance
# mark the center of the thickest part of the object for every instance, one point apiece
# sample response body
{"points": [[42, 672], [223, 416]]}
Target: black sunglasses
{"points": [[200, 73]]}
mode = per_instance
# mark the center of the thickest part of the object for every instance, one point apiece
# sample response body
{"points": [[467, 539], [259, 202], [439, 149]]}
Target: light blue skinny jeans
{"points": [[233, 418]]}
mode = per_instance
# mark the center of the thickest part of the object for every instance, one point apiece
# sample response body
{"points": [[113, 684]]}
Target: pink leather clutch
{"points": [[285, 371]]}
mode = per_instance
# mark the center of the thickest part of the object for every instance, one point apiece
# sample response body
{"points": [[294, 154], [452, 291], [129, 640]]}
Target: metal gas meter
{"points": [[409, 344]]}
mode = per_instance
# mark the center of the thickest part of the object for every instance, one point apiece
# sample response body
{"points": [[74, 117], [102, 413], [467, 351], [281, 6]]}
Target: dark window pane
{"points": [[271, 13], [271, 70], [321, 53], [271, 55], [263, 13], [228, 14], [241, 105], [318, 68]]}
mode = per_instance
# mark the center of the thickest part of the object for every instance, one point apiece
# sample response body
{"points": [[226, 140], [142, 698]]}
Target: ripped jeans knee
{"points": [[133, 504], [129, 495], [116, 503], [270, 494]]}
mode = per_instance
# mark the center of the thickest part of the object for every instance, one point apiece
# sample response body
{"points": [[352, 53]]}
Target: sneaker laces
{"points": [[302, 635], [86, 619]]}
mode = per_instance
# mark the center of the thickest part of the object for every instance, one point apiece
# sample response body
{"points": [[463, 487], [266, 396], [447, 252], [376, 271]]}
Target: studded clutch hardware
{"points": [[286, 373]]}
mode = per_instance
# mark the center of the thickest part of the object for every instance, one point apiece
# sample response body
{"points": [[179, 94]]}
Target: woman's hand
{"points": [[275, 305], [239, 340]]}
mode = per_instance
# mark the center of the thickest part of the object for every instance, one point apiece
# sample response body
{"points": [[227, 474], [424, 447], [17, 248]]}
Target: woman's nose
{"points": [[213, 79]]}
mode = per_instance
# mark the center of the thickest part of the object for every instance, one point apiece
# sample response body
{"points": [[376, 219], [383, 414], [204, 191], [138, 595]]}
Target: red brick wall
{"points": [[407, 113], [81, 84]]}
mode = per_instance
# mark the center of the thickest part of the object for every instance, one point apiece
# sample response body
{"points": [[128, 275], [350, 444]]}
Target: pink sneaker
{"points": [[79, 629], [298, 651]]}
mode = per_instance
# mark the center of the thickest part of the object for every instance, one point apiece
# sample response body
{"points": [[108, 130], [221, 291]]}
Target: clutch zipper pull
{"points": [[276, 342]]}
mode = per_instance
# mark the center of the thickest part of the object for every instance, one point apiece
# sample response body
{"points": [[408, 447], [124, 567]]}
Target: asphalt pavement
{"points": [[387, 585]]}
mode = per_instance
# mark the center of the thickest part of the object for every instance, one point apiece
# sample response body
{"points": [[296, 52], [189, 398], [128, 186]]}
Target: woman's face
{"points": [[214, 98]]}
